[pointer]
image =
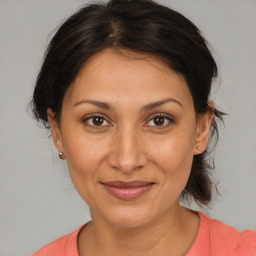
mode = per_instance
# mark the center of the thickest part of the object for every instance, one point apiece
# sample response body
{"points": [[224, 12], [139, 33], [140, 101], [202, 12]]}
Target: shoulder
{"points": [[56, 247], [217, 238], [224, 236], [63, 246]]}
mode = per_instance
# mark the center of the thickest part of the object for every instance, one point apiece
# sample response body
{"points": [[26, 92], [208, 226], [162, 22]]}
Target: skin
{"points": [[129, 144]]}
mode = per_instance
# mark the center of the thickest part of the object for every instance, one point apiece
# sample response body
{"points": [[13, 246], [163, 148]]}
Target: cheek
{"points": [[173, 157], [174, 153], [84, 158], [174, 160], [84, 155], [81, 148]]}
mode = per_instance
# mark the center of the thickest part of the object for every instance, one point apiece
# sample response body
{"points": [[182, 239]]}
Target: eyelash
{"points": [[85, 120], [169, 118]]}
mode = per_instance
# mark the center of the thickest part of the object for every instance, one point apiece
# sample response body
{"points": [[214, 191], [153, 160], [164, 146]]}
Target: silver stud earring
{"points": [[61, 155]]}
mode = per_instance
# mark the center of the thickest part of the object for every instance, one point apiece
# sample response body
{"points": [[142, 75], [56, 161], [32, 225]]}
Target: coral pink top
{"points": [[213, 238]]}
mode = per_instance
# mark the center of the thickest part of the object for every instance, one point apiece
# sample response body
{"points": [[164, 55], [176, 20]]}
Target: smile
{"points": [[127, 190]]}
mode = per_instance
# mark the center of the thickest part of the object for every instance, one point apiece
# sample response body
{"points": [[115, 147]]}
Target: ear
{"points": [[55, 129], [203, 129]]}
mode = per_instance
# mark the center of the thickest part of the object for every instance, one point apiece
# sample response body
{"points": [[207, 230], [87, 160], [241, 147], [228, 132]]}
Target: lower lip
{"points": [[128, 193]]}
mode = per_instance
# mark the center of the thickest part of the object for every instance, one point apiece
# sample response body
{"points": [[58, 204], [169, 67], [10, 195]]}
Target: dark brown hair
{"points": [[142, 26]]}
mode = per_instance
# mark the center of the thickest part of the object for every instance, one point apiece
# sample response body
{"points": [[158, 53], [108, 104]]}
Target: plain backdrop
{"points": [[37, 200]]}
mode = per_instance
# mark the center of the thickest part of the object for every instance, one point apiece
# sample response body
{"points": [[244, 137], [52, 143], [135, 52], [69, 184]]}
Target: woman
{"points": [[125, 89]]}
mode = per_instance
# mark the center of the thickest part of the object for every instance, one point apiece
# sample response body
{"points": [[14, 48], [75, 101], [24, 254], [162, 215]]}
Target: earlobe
{"points": [[203, 129], [55, 130]]}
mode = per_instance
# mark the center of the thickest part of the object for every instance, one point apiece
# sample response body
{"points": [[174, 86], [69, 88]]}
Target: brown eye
{"points": [[160, 121], [95, 121]]}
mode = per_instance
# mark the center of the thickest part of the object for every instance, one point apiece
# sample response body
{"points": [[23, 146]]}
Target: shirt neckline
{"points": [[72, 243]]}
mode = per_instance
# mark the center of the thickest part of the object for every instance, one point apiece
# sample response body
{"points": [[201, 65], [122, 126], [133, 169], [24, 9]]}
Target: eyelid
{"points": [[169, 117], [86, 118]]}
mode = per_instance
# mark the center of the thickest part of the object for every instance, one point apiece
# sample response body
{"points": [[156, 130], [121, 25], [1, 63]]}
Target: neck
{"points": [[172, 234]]}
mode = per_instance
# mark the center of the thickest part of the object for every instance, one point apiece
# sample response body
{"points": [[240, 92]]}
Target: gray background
{"points": [[37, 200]]}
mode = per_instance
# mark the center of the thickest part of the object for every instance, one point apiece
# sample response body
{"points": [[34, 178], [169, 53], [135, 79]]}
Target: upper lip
{"points": [[130, 184]]}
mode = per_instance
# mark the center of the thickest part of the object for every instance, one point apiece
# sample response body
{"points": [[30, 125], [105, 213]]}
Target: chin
{"points": [[129, 217]]}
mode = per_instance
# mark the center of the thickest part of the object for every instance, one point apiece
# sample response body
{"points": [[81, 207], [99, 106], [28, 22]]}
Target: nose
{"points": [[128, 152]]}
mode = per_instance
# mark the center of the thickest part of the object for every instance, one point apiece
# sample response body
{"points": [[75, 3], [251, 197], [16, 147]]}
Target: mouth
{"points": [[127, 190]]}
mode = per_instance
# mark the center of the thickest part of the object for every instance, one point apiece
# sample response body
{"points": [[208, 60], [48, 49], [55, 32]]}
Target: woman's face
{"points": [[128, 130]]}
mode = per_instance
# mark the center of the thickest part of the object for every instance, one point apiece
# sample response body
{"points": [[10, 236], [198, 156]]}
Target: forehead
{"points": [[111, 74], [112, 59], [117, 56]]}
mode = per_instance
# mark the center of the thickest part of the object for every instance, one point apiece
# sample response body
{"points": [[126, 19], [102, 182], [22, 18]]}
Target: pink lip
{"points": [[127, 190]]}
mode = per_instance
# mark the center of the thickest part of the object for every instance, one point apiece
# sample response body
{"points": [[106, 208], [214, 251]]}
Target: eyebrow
{"points": [[147, 107]]}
